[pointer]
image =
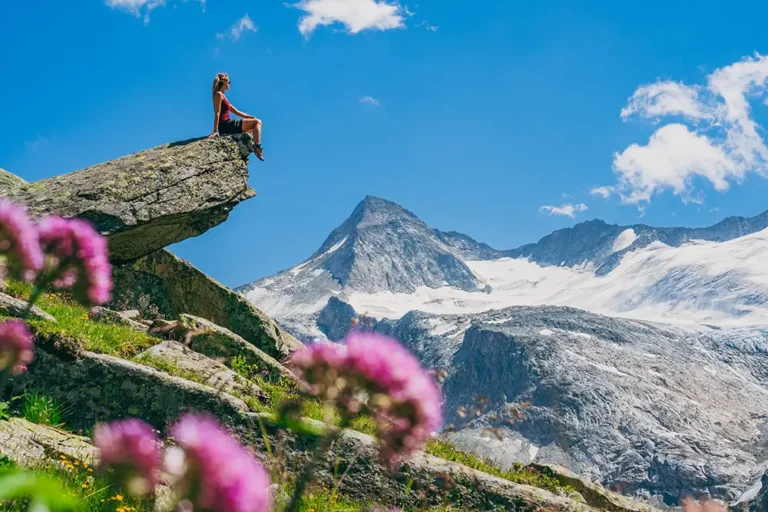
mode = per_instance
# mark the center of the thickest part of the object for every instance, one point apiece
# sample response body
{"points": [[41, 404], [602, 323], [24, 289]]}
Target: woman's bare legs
{"points": [[253, 126]]}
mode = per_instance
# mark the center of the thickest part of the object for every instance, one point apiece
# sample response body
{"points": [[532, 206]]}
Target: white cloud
{"points": [[355, 15], [219, 35], [568, 209], [714, 137], [603, 192], [370, 100], [243, 24], [139, 7]]}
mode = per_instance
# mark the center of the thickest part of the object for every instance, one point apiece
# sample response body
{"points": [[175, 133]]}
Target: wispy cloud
{"points": [[712, 135], [425, 24], [355, 15], [568, 209], [143, 8], [603, 192], [220, 35], [370, 100], [244, 24]]}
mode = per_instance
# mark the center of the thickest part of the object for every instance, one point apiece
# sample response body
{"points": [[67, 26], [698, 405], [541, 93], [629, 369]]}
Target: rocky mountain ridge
{"points": [[654, 410]]}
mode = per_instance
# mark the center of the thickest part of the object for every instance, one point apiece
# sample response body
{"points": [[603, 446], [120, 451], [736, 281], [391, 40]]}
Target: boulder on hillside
{"points": [[12, 306], [175, 287], [117, 317], [9, 182], [180, 360], [216, 341], [30, 445], [151, 199]]}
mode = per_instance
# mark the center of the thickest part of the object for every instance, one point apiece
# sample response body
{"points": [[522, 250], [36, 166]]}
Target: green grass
{"points": [[286, 390], [42, 410], [518, 473], [91, 491], [73, 322]]}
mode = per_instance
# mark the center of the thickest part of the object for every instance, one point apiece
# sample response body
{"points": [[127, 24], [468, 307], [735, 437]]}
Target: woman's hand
{"points": [[213, 135]]}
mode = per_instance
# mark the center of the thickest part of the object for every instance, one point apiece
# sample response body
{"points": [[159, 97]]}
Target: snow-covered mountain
{"points": [[641, 352], [384, 262]]}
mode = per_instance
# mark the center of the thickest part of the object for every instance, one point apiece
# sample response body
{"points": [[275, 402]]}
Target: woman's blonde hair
{"points": [[220, 80]]}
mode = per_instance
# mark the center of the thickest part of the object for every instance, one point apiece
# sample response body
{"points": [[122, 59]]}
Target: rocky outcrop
{"points": [[176, 287], [101, 314], [11, 306], [218, 342], [151, 199], [9, 182], [99, 387], [176, 358], [30, 445]]}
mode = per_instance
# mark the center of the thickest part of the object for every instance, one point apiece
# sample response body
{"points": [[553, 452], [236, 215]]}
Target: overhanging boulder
{"points": [[151, 199]]}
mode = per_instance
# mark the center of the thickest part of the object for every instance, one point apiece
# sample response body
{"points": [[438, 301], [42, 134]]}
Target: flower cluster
{"points": [[16, 346], [405, 400], [19, 241], [214, 471], [79, 255], [132, 450]]}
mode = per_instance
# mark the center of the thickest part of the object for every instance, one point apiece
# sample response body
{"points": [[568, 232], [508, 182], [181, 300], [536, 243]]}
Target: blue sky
{"points": [[480, 114]]}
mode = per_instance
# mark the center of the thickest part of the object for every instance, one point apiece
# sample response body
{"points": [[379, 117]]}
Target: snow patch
{"points": [[546, 332], [687, 284], [624, 240]]}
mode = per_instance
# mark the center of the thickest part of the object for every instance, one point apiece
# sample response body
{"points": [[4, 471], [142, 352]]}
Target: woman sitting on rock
{"points": [[222, 123]]}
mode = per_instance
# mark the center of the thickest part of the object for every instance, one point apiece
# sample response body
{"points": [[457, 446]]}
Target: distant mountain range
{"points": [[384, 261], [641, 352]]}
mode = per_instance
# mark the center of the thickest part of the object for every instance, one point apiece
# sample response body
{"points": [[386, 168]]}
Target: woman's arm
{"points": [[216, 112], [241, 114]]}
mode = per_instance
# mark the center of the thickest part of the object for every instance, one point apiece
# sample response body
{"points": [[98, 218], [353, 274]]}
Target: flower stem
{"points": [[36, 292]]}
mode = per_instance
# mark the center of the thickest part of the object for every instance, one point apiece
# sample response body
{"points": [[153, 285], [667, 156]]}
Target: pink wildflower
{"points": [[79, 256], [18, 241], [16, 346], [218, 473], [132, 450], [405, 399]]}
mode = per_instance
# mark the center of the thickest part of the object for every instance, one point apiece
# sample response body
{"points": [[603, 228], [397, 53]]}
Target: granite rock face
{"points": [[220, 343], [642, 408], [176, 287], [9, 182], [31, 445], [151, 199], [12, 306], [198, 368]]}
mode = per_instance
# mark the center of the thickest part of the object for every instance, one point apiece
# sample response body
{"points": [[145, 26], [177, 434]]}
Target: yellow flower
{"points": [[119, 497], [62, 457], [85, 486], [77, 463], [85, 464]]}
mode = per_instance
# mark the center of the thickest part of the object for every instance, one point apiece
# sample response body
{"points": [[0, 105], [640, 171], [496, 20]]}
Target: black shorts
{"points": [[231, 126]]}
